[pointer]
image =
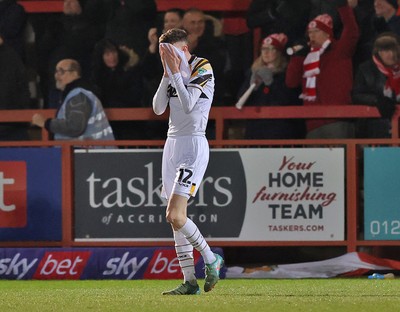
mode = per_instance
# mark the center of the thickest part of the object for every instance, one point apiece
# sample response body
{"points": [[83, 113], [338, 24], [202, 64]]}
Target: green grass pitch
{"points": [[340, 294]]}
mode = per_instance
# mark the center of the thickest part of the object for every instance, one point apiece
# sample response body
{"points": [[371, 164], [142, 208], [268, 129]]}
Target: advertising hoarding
{"points": [[263, 194], [30, 194], [381, 193], [95, 263]]}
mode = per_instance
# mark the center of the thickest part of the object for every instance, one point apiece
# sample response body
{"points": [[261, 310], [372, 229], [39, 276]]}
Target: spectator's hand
{"points": [[300, 47], [262, 75], [352, 3], [386, 107], [38, 120], [1, 41], [152, 35], [133, 57]]}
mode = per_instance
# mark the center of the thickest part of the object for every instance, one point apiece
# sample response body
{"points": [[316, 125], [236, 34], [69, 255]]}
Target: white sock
{"points": [[184, 252], [193, 235]]}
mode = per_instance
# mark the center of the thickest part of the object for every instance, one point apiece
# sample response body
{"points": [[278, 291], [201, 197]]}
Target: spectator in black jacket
{"points": [[377, 83], [12, 25], [374, 17], [119, 76], [129, 22], [71, 35], [14, 92], [386, 14], [280, 16], [116, 71]]}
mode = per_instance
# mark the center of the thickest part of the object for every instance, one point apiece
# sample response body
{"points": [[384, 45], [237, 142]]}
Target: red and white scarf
{"points": [[311, 70], [392, 84]]}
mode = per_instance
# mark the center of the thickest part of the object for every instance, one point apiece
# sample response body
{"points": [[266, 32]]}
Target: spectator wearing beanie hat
{"points": [[265, 81], [278, 41], [272, 59], [319, 30], [324, 71], [385, 16], [386, 8]]}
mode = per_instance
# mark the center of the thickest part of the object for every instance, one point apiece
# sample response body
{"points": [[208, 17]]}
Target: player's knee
{"points": [[171, 217], [174, 218]]}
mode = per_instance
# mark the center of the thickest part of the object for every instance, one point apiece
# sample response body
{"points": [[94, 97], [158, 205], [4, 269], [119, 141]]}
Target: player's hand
{"points": [[161, 51], [170, 58]]}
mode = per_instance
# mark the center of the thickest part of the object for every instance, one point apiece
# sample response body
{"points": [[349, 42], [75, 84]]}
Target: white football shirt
{"points": [[189, 105]]}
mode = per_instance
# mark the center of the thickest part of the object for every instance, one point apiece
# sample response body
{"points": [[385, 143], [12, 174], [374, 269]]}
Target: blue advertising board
{"points": [[381, 193], [95, 263], [30, 194]]}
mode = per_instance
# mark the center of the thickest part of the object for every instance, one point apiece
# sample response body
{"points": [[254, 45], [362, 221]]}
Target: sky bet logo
{"points": [[12, 194], [62, 265]]}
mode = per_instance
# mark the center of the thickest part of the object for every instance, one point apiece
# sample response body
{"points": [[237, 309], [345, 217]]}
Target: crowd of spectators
{"points": [[331, 42], [335, 47]]}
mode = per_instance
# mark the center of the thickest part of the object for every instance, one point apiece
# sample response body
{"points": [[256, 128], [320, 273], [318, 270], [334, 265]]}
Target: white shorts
{"points": [[184, 163]]}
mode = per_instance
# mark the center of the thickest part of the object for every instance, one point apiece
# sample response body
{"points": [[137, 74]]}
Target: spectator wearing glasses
{"points": [[81, 115]]}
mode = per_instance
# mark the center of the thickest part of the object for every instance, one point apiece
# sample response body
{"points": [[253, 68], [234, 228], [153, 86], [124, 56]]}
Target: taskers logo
{"points": [[13, 203]]}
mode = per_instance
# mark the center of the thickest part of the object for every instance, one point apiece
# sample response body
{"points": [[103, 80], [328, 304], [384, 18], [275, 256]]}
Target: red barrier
{"points": [[47, 6], [221, 115]]}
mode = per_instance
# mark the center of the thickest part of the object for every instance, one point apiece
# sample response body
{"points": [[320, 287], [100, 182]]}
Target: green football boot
{"points": [[212, 273], [184, 289]]}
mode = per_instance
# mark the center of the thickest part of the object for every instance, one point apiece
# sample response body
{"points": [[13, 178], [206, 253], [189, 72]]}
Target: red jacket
{"points": [[335, 81]]}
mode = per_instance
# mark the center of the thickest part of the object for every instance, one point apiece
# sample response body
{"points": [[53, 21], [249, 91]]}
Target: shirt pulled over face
{"points": [[184, 67]]}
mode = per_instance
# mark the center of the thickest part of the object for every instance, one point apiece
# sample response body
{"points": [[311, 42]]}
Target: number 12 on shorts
{"points": [[183, 178]]}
